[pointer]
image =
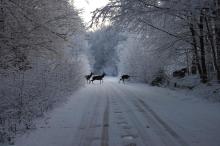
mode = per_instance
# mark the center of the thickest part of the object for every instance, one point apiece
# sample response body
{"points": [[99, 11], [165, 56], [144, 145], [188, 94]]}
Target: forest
{"points": [[39, 65], [172, 34]]}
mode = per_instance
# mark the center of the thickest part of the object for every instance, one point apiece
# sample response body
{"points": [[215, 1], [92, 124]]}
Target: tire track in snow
{"points": [[164, 124], [151, 115], [135, 122], [88, 123], [104, 139], [80, 135], [158, 129]]}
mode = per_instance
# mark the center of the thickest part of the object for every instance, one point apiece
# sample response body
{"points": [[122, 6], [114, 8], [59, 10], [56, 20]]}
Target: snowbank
{"points": [[191, 85]]}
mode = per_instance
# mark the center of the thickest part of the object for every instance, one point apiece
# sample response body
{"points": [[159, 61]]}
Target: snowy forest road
{"points": [[114, 114]]}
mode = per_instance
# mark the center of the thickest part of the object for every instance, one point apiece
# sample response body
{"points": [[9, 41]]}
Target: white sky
{"points": [[88, 6]]}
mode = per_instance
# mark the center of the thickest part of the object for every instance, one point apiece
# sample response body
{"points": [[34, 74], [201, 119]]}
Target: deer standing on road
{"points": [[123, 78], [98, 77], [88, 77]]}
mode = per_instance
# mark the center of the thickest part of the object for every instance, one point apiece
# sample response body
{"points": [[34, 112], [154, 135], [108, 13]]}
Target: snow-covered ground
{"points": [[114, 114], [210, 91]]}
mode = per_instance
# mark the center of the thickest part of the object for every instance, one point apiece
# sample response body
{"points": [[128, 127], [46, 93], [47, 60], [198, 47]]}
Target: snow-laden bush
{"points": [[141, 59], [41, 60], [27, 95]]}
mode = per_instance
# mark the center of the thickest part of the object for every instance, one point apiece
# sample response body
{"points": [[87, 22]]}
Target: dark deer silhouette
{"points": [[98, 77], [123, 78], [88, 77]]}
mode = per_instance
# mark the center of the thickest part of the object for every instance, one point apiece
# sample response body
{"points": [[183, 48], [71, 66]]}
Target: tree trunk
{"points": [[195, 47], [212, 44], [217, 32], [2, 25], [202, 48]]}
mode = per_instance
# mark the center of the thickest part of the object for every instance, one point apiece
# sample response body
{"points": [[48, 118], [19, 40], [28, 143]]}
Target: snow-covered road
{"points": [[114, 114]]}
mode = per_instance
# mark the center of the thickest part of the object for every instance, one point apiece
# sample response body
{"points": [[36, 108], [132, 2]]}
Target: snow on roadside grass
{"points": [[59, 126], [210, 91]]}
